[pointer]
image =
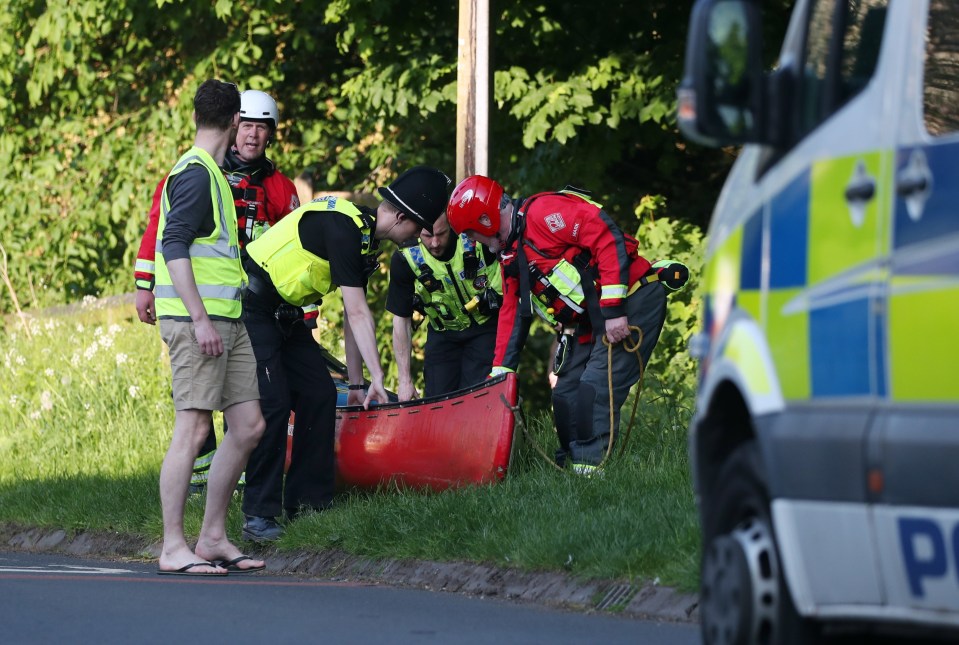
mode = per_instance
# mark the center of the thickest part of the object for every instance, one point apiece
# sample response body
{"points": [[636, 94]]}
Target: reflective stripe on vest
{"points": [[220, 278], [300, 277], [446, 307], [558, 296]]}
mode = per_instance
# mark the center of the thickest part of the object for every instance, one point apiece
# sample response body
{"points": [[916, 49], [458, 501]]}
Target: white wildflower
{"points": [[14, 399], [48, 371], [86, 406], [50, 324], [79, 328], [90, 351], [75, 360], [89, 301], [21, 360], [121, 359], [35, 415], [134, 391], [106, 342], [65, 380], [46, 400], [115, 329]]}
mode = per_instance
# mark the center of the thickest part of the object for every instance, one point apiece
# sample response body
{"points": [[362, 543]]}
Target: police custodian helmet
{"points": [[420, 194]]}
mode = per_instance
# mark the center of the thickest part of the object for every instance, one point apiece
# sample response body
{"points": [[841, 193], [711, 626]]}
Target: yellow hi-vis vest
{"points": [[220, 278], [301, 277], [447, 307]]}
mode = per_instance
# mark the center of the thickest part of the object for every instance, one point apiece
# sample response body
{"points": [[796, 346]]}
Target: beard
{"points": [[496, 244]]}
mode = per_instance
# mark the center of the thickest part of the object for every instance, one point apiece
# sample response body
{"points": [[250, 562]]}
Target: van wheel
{"points": [[743, 595]]}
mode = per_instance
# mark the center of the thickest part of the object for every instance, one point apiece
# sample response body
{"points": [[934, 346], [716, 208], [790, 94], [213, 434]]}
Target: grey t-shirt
{"points": [[191, 211]]}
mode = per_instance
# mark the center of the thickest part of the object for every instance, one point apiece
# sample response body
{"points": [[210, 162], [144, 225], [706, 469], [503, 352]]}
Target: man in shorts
{"points": [[199, 286]]}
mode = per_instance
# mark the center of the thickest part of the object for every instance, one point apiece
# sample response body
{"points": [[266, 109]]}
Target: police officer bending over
{"points": [[320, 246]]}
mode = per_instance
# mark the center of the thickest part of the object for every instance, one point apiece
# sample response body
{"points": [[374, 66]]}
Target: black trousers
{"points": [[581, 396], [454, 360], [292, 375]]}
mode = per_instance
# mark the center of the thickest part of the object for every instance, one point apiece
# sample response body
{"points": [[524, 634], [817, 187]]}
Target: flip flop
{"points": [[186, 570], [232, 567]]}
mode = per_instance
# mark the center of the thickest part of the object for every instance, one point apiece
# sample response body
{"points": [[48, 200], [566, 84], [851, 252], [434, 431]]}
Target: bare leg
{"points": [[189, 431], [246, 427]]}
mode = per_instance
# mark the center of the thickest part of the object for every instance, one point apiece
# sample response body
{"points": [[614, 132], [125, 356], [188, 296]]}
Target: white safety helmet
{"points": [[259, 106]]}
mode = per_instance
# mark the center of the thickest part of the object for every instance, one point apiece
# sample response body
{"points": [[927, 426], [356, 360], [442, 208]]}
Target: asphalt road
{"points": [[48, 598]]}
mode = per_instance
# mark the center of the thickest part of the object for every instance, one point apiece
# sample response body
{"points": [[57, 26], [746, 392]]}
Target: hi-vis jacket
{"points": [[219, 275], [299, 276], [262, 196], [444, 288], [559, 228]]}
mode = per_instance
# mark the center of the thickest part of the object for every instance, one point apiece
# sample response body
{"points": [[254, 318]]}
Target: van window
{"points": [[941, 80], [844, 38]]}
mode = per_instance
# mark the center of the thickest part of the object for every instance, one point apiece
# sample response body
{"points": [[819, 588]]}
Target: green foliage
{"points": [[97, 106], [87, 393], [664, 239]]}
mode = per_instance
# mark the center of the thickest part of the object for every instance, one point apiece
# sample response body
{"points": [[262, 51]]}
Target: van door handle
{"points": [[910, 183], [914, 184], [861, 190]]}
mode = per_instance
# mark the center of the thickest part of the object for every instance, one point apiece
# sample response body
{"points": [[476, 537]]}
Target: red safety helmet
{"points": [[474, 197]]}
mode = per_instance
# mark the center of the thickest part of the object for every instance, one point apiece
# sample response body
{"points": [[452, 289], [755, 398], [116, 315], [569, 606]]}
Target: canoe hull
{"points": [[461, 439]]}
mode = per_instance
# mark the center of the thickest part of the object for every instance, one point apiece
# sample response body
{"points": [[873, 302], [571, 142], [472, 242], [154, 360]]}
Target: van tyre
{"points": [[743, 594]]}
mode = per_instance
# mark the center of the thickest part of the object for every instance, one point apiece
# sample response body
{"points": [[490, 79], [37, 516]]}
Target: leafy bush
{"points": [[97, 107]]}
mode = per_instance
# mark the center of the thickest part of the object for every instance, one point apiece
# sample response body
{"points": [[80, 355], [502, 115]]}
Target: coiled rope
{"points": [[628, 346]]}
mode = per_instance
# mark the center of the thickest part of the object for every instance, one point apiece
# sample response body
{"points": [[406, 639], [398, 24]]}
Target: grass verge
{"points": [[85, 419]]}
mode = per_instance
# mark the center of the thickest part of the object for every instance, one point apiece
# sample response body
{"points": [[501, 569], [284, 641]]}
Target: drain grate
{"points": [[617, 597]]}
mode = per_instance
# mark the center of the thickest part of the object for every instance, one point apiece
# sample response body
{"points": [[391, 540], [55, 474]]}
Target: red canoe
{"points": [[460, 439]]}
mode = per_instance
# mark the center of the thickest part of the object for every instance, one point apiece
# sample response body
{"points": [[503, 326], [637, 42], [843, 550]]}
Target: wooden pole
{"points": [[472, 89]]}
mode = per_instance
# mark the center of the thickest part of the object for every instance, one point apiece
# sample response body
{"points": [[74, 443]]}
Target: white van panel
{"points": [[828, 554]]}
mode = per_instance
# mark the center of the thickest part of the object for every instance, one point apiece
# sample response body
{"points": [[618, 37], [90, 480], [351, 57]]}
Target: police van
{"points": [[825, 441]]}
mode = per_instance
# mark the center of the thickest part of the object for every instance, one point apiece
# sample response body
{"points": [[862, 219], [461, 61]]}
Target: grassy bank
{"points": [[85, 418]]}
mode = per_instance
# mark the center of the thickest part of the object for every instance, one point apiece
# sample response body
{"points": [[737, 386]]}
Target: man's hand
{"points": [[146, 306], [355, 397], [617, 329], [208, 338], [375, 393], [406, 392]]}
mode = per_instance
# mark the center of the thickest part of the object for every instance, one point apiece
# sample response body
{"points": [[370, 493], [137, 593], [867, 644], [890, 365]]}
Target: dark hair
{"points": [[215, 103]]}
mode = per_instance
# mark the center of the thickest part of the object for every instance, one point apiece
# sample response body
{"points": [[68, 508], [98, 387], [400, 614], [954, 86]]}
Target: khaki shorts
{"points": [[204, 382]]}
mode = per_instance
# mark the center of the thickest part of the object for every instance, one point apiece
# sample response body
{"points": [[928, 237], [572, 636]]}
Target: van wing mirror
{"points": [[721, 95]]}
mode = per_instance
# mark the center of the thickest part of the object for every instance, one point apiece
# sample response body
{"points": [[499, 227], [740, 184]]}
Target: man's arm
{"points": [[511, 330], [402, 346], [399, 302], [362, 335], [181, 274], [189, 218], [281, 197], [145, 269]]}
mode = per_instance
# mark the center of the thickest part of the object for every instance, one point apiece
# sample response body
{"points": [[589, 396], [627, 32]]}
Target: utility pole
{"points": [[472, 89]]}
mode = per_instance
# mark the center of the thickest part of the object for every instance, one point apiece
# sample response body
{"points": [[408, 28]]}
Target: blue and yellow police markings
{"points": [[787, 221], [924, 289], [825, 274]]}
